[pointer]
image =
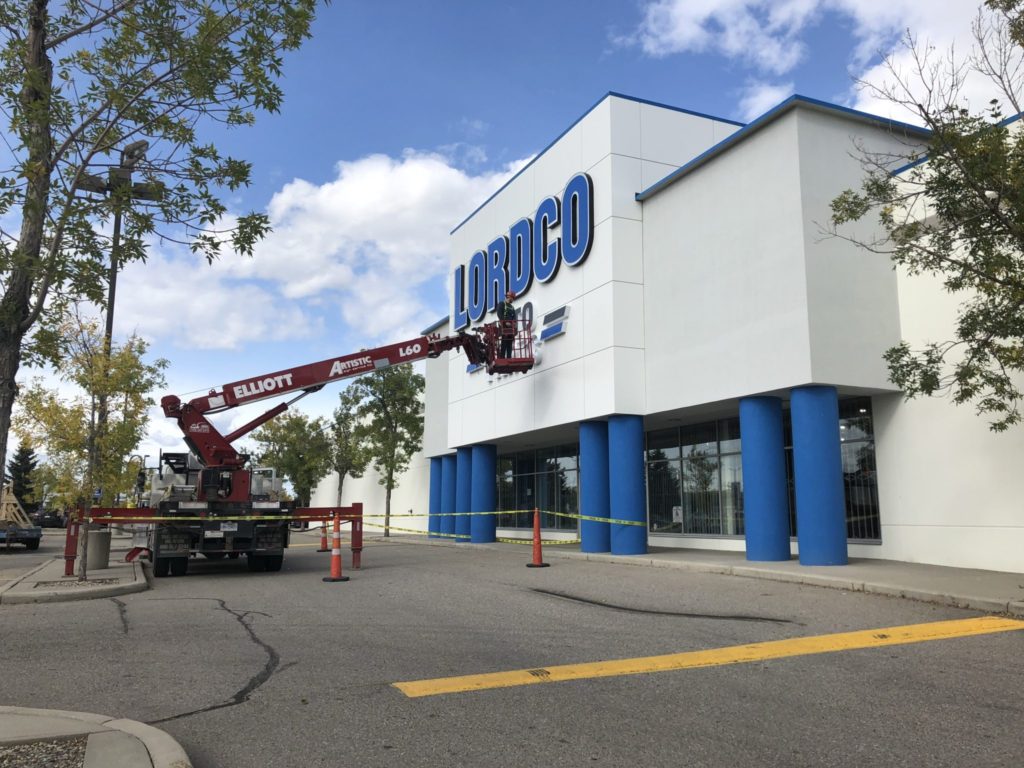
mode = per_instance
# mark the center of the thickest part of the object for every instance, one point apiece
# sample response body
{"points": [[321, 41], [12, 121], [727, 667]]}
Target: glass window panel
{"points": [[732, 495], [565, 464], [701, 498], [569, 499], [663, 498], [855, 419], [568, 455], [526, 463], [729, 436], [861, 489], [699, 438], [663, 444]]}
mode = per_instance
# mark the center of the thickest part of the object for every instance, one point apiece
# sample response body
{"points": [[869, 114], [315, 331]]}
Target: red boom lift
{"points": [[221, 515]]}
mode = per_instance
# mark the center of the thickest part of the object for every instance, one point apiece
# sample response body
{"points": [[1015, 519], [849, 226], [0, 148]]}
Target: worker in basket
{"points": [[507, 321]]}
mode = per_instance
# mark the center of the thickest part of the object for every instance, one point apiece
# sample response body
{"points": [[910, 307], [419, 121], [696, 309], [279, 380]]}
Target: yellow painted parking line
{"points": [[737, 654]]}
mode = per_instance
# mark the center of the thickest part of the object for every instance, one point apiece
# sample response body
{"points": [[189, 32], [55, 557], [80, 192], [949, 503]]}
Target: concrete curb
{"points": [[163, 750]]}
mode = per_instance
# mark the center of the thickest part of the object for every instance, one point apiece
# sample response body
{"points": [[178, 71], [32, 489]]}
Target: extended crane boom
{"points": [[224, 478], [218, 507]]}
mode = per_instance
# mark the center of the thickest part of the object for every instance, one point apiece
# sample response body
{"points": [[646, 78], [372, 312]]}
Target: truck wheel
{"points": [[32, 544], [179, 566], [161, 566], [274, 562], [257, 563]]}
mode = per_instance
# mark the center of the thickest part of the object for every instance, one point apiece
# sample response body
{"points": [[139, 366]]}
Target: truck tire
{"points": [[32, 544], [161, 566], [179, 566], [256, 563], [273, 562]]}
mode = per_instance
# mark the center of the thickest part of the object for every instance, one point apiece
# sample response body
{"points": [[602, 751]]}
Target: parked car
{"points": [[48, 519]]}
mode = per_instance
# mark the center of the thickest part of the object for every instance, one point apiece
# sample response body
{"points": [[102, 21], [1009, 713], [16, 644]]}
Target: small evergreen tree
{"points": [[19, 471]]}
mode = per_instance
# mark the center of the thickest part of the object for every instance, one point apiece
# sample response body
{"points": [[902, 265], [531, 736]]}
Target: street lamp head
{"points": [[133, 153]]}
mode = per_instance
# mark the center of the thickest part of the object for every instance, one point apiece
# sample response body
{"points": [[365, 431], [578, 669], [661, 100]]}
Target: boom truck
{"points": [[217, 505]]}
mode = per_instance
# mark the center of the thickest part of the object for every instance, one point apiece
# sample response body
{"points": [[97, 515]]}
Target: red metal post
{"points": [[357, 534], [336, 552], [538, 561]]}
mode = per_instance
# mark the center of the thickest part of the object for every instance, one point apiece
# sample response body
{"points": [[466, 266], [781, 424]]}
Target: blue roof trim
{"points": [[791, 103], [573, 125], [924, 159], [673, 108], [435, 326]]}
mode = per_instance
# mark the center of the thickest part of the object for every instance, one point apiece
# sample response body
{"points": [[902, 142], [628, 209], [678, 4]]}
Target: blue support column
{"points": [[463, 491], [765, 496], [484, 494], [594, 494], [434, 522], [626, 484], [818, 476], [446, 525]]}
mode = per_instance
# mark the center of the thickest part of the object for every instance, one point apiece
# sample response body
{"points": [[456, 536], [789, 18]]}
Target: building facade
{"points": [[709, 365]]}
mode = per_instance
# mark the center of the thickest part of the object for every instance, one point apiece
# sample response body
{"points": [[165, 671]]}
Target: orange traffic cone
{"points": [[537, 560], [336, 552]]}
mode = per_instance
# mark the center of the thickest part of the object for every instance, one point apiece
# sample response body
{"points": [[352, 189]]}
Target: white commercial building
{"points": [[709, 366]]}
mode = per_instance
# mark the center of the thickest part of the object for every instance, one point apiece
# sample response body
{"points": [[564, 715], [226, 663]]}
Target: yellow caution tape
{"points": [[348, 517]]}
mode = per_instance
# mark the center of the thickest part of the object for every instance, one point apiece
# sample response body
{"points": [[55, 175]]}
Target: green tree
{"points": [[348, 457], [299, 448], [957, 213], [390, 423], [64, 426], [20, 470], [80, 81]]}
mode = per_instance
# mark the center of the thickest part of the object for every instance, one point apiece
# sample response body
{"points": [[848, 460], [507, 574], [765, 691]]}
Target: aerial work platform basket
{"points": [[517, 356]]}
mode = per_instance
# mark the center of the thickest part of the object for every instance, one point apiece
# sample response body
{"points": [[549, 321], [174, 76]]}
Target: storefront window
{"points": [[546, 479], [696, 486], [860, 476]]}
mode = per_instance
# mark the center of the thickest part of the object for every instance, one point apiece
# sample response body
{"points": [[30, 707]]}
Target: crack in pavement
{"points": [[628, 609], [123, 610], [242, 695]]}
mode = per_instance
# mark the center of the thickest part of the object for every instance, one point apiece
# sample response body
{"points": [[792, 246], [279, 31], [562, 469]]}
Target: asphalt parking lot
{"points": [[287, 670]]}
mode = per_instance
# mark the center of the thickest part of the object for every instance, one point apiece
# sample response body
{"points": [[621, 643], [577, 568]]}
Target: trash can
{"points": [[98, 556]]}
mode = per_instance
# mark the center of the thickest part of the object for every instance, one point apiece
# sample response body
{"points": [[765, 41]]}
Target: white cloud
{"points": [[764, 33], [372, 238], [770, 37], [177, 298], [360, 248], [757, 98]]}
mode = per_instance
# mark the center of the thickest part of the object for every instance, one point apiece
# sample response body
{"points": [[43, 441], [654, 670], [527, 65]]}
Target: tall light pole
{"points": [[122, 191], [119, 185]]}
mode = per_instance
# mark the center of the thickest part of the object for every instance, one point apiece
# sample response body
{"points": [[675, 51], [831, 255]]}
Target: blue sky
{"points": [[401, 117]]}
